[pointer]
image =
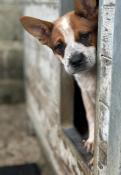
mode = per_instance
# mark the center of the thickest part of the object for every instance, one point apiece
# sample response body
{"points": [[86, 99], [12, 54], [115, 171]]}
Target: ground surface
{"points": [[18, 143]]}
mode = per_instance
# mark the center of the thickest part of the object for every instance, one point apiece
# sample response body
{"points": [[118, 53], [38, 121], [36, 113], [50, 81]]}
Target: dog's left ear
{"points": [[38, 28], [86, 8]]}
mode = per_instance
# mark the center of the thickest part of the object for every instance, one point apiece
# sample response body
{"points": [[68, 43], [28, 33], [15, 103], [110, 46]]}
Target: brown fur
{"points": [[79, 25]]}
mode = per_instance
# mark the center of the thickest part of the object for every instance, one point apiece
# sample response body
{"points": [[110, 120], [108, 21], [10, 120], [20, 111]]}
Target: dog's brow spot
{"points": [[65, 23], [66, 29]]}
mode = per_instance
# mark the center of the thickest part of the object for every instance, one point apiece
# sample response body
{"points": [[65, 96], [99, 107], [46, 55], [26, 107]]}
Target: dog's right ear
{"points": [[38, 28], [86, 8]]}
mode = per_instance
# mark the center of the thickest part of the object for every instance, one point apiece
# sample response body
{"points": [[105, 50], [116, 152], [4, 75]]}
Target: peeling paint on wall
{"points": [[105, 54]]}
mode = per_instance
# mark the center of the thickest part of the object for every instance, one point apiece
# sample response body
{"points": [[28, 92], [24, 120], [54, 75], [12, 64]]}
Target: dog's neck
{"points": [[87, 80]]}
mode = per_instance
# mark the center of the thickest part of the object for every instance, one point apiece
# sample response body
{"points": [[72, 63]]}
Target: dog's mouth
{"points": [[77, 69], [79, 66]]}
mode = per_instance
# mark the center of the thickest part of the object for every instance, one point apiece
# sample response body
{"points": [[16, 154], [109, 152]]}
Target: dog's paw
{"points": [[89, 145]]}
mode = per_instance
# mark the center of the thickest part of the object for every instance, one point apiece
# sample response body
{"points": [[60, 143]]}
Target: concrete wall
{"points": [[11, 54], [104, 83]]}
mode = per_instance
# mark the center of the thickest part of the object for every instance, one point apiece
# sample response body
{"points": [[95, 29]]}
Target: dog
{"points": [[73, 39]]}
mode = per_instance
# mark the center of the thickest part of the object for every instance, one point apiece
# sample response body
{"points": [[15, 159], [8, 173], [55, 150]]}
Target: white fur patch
{"points": [[67, 30], [72, 47]]}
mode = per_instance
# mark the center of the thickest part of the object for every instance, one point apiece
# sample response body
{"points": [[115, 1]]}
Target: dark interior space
{"points": [[80, 121], [28, 169], [79, 132]]}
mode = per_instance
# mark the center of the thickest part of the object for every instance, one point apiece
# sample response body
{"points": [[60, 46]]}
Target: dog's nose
{"points": [[77, 60]]}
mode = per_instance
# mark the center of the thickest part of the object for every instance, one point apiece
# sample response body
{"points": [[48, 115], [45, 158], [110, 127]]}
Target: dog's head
{"points": [[72, 37]]}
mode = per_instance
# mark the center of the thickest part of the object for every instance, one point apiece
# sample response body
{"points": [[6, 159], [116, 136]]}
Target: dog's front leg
{"points": [[90, 115]]}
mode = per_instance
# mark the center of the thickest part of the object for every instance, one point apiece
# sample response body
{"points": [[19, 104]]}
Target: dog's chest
{"points": [[87, 82]]}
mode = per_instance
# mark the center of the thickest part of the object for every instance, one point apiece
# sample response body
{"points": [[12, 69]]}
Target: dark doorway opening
{"points": [[80, 121]]}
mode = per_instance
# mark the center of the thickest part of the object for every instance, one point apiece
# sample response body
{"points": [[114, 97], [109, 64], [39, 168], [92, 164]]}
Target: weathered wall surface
{"points": [[11, 54], [114, 143], [105, 55], [43, 96]]}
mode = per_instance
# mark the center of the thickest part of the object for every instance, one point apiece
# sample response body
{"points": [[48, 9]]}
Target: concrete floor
{"points": [[18, 143]]}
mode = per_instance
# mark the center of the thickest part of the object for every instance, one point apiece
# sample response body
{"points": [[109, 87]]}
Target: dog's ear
{"points": [[86, 8], [38, 28]]}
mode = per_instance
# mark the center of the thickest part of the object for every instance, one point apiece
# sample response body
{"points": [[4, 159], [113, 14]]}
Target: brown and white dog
{"points": [[73, 39]]}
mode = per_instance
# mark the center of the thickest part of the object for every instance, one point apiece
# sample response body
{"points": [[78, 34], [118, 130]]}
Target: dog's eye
{"points": [[84, 37], [60, 47]]}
